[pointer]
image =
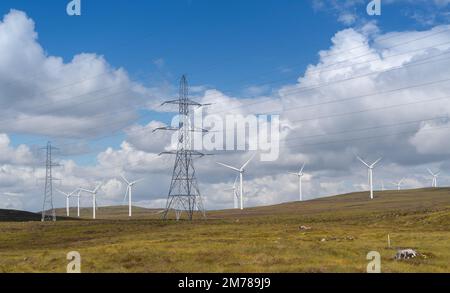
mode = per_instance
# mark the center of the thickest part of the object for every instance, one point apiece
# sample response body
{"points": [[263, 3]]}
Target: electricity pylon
{"points": [[184, 194], [48, 210]]}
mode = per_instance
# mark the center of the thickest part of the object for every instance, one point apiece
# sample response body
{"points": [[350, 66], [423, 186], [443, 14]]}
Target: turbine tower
{"points": [[399, 184], [78, 202], [300, 175], [241, 178], [48, 210], [435, 176], [370, 173], [130, 185], [184, 193], [235, 192], [94, 200]]}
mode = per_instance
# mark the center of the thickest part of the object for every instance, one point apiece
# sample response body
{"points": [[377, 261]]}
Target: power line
{"points": [[322, 117], [367, 128], [369, 137], [318, 86], [371, 109]]}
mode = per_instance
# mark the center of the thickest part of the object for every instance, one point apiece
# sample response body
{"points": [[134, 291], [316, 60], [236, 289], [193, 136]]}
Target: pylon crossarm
{"points": [[187, 102]]}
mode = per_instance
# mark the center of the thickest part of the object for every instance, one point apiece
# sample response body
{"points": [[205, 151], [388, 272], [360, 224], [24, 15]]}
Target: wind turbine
{"points": [[94, 201], [300, 175], [128, 192], [78, 202], [241, 178], [235, 193], [435, 176], [370, 173], [399, 184], [68, 196]]}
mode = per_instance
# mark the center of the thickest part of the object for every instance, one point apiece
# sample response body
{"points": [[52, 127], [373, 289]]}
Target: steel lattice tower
{"points": [[48, 210], [184, 194]]}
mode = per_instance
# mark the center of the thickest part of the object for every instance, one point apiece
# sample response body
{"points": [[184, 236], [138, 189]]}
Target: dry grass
{"points": [[266, 239]]}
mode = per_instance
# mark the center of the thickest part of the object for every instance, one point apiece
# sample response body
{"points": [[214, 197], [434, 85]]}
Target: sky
{"points": [[344, 83]]}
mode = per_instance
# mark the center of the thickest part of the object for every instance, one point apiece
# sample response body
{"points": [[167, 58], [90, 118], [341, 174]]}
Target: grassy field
{"points": [[266, 239]]}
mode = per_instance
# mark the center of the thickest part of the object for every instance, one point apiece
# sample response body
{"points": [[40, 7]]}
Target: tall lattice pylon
{"points": [[184, 194], [48, 210]]}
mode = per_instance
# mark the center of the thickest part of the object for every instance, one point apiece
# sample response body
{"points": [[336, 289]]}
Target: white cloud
{"points": [[47, 96], [310, 134], [17, 156]]}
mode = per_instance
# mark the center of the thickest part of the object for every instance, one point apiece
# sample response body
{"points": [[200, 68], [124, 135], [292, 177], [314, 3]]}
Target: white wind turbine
{"points": [[68, 196], [300, 175], [370, 173], [94, 201], [399, 184], [78, 202], [235, 192], [241, 178], [435, 176], [128, 192]]}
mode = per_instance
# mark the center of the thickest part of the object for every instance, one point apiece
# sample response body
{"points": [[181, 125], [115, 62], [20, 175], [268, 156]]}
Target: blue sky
{"points": [[229, 45], [225, 44], [238, 50]]}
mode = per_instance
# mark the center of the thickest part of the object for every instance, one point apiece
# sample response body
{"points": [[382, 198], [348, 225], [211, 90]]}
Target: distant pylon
{"points": [[48, 210], [184, 194]]}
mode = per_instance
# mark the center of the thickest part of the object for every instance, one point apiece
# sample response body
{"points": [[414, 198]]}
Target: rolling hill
{"points": [[18, 216], [324, 235]]}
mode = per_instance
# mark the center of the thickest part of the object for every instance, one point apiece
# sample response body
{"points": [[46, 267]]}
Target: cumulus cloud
{"points": [[45, 95], [16, 156], [368, 94]]}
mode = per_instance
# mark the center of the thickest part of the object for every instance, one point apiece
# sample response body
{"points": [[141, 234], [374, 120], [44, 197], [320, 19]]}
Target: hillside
{"points": [[18, 216], [325, 235], [354, 203]]}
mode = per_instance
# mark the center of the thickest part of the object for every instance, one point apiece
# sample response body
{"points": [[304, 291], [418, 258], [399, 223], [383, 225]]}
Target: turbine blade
{"points": [[85, 190], [62, 192], [229, 167], [235, 181], [376, 162], [126, 195], [124, 179], [248, 162], [362, 161], [97, 188], [136, 181], [303, 167], [429, 170]]}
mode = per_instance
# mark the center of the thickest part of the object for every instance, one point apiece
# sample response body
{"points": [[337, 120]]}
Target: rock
{"points": [[306, 228], [406, 254], [323, 240]]}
